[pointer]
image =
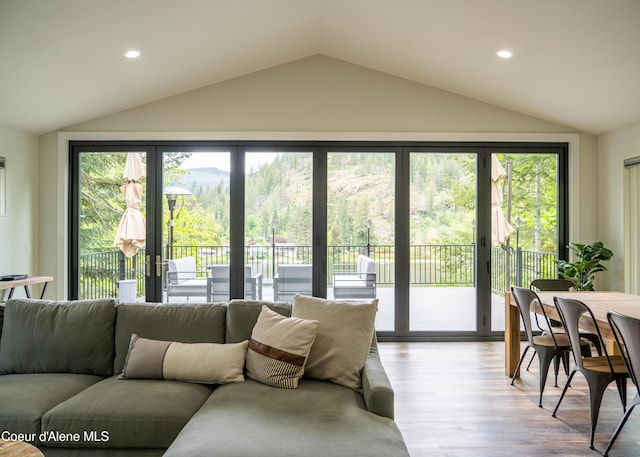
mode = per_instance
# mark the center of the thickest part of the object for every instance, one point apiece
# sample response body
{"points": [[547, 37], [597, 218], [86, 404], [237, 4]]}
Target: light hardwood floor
{"points": [[453, 399]]}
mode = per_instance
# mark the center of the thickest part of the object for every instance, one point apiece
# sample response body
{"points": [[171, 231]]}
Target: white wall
{"points": [[613, 149], [53, 234], [318, 94], [18, 242], [316, 98]]}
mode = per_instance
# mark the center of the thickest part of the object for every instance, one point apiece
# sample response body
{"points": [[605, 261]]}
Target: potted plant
{"points": [[582, 273]]}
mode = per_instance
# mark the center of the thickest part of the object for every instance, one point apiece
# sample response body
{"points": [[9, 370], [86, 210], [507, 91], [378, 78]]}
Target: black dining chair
{"points": [[558, 285], [549, 347], [551, 284], [626, 331], [599, 371]]}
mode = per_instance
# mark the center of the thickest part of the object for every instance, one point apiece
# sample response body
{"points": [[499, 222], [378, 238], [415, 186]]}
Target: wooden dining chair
{"points": [[549, 347], [599, 371], [626, 331]]}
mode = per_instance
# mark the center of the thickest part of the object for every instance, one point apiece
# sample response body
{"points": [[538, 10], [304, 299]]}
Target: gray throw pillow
{"points": [[41, 336]]}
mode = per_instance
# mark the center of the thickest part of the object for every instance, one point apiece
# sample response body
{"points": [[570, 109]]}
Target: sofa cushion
{"points": [[319, 419], [42, 336], [25, 398], [137, 413], [278, 349], [208, 363], [344, 337], [184, 323], [243, 314], [1, 320], [103, 452]]}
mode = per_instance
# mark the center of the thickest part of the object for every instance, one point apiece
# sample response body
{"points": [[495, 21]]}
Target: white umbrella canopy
{"points": [[131, 233], [500, 227]]}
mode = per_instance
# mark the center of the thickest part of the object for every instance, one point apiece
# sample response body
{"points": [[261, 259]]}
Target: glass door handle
{"points": [[158, 266], [147, 266]]}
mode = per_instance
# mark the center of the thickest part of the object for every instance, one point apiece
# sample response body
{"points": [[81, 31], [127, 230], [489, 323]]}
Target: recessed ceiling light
{"points": [[504, 54], [133, 54]]}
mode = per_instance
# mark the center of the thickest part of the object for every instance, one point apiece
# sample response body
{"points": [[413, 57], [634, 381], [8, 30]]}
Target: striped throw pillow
{"points": [[205, 363], [278, 349]]}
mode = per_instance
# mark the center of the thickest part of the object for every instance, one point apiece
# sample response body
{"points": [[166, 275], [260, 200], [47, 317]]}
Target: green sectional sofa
{"points": [[81, 379]]}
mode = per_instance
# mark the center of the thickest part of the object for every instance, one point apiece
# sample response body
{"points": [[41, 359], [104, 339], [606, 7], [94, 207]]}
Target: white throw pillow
{"points": [[344, 337]]}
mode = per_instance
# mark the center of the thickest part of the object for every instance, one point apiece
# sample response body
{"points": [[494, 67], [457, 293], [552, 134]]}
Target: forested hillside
{"points": [[360, 200], [361, 196]]}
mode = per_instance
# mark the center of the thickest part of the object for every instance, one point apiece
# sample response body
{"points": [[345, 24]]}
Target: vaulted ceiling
{"points": [[575, 62]]}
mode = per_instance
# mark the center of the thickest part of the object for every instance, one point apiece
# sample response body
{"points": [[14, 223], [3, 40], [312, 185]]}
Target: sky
{"points": [[221, 160]]}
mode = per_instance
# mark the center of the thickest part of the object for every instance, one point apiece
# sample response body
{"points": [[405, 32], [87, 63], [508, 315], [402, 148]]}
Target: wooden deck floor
{"points": [[427, 312], [438, 309], [453, 400]]}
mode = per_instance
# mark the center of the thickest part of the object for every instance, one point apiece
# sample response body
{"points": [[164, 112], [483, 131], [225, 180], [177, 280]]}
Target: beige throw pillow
{"points": [[206, 363], [344, 337], [278, 349]]}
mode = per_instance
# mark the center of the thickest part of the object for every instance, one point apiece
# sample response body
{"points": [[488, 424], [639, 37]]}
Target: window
{"points": [[420, 213]]}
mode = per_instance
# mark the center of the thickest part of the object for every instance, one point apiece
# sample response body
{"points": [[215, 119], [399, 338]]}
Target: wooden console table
{"points": [[26, 282]]}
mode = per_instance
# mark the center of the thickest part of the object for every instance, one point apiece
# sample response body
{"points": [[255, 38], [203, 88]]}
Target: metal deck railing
{"points": [[431, 265]]}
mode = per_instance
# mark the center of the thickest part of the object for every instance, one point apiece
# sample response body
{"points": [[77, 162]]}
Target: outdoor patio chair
{"points": [[626, 331], [549, 347], [183, 279], [292, 279], [599, 371], [218, 283], [358, 284]]}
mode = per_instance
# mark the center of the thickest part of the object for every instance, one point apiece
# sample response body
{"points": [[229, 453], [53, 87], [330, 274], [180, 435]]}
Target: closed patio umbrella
{"points": [[500, 227], [131, 232]]}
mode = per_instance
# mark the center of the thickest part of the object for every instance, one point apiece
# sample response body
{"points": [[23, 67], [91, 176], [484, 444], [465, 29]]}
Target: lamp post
{"points": [[473, 227], [518, 223], [368, 237], [273, 248], [172, 192]]}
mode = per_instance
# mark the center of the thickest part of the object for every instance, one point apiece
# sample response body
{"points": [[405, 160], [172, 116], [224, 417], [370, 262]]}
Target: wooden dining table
{"points": [[600, 303]]}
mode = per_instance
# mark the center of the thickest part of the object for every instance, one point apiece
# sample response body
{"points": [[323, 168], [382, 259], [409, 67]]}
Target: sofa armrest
{"points": [[376, 387]]}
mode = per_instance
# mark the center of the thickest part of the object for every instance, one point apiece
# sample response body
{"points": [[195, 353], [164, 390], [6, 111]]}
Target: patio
{"points": [[439, 275], [426, 313]]}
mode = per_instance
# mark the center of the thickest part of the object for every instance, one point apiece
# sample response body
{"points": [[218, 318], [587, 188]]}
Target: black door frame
{"points": [[320, 149]]}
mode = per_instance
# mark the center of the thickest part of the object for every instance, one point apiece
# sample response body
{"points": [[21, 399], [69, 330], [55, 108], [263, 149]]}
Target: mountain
{"points": [[205, 177]]}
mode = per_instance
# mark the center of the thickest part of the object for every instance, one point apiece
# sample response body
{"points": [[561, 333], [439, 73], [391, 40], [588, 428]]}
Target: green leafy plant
{"points": [[582, 273]]}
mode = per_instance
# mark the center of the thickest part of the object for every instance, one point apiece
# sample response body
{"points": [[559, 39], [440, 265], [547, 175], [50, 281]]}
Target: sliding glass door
{"points": [[413, 225], [195, 224], [361, 229], [278, 210], [528, 230], [109, 223], [443, 214]]}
